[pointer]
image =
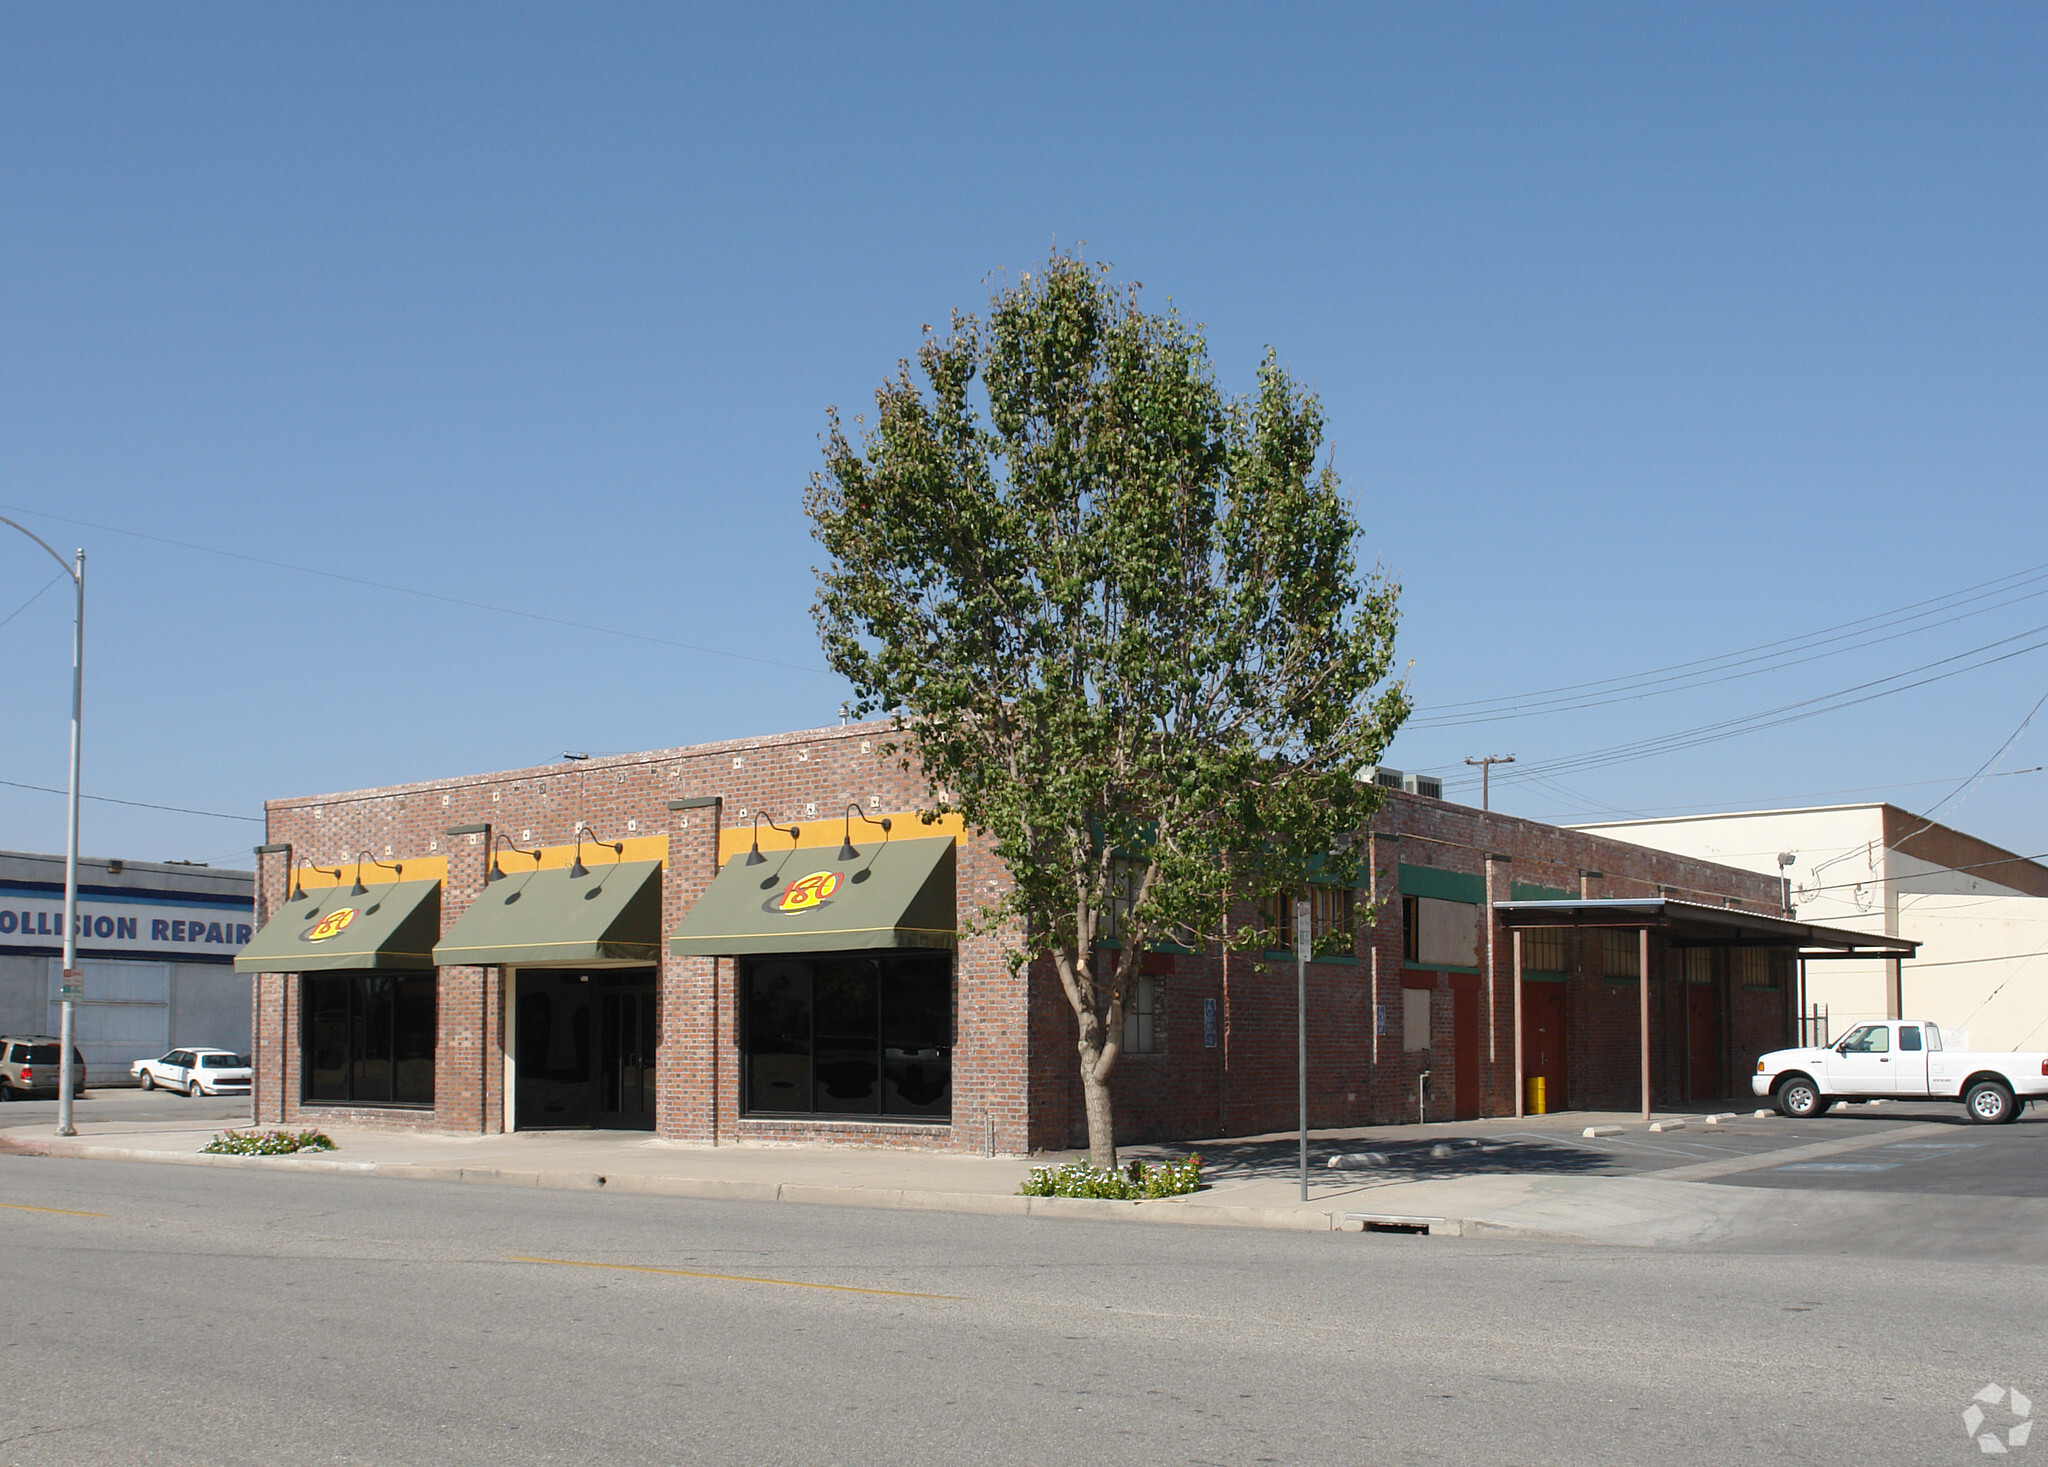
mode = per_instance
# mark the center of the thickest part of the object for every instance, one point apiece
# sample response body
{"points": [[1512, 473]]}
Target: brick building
{"points": [[757, 940]]}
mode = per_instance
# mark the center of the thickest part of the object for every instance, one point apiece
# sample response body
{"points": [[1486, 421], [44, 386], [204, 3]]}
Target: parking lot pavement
{"points": [[1960, 1160], [1933, 1145], [128, 1105]]}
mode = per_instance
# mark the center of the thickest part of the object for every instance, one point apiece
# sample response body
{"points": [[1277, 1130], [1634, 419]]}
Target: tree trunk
{"points": [[1101, 1122]]}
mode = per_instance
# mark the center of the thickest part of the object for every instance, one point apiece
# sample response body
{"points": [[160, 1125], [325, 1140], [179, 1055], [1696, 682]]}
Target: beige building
{"points": [[1979, 911]]}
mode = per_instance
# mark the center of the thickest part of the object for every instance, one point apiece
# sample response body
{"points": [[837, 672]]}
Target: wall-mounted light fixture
{"points": [[498, 842], [574, 758], [754, 856], [618, 848], [299, 886], [397, 868], [846, 850]]}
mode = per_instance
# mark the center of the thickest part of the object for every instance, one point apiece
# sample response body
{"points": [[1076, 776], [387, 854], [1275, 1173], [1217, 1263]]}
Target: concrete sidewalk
{"points": [[1638, 1211]]}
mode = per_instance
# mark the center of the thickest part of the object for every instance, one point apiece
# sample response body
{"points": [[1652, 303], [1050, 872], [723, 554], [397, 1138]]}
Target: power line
{"points": [[33, 599], [1892, 617], [1966, 962], [1996, 755], [307, 570], [1691, 683], [138, 804], [1805, 891], [1785, 713]]}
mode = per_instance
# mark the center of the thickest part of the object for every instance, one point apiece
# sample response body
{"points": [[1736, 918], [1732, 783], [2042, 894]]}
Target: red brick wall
{"points": [[804, 777], [1014, 1071], [1248, 1085]]}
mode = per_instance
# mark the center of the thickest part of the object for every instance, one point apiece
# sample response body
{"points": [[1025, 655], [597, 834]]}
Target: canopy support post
{"points": [[1643, 1008]]}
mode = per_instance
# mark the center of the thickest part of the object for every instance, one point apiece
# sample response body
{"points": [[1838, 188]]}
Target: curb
{"points": [[888, 1199]]}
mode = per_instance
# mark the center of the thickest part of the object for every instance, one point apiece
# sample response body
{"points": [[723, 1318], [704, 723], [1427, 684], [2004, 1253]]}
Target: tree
{"points": [[1118, 617]]}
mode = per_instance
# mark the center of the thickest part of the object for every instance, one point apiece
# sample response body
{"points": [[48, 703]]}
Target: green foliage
{"points": [[1119, 617], [1131, 1182], [267, 1143]]}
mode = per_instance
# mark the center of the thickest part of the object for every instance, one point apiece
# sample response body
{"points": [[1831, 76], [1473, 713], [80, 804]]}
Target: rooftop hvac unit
{"points": [[1423, 784], [1393, 779]]}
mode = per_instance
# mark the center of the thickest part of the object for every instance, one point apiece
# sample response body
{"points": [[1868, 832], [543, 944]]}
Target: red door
{"points": [[1465, 1046], [1543, 1040], [1703, 1078]]}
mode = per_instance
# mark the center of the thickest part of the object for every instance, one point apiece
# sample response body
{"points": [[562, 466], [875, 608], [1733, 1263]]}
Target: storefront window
{"points": [[850, 1035], [369, 1038]]}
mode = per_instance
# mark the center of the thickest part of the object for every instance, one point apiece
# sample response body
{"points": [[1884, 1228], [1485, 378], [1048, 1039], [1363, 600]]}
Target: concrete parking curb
{"points": [[900, 1199]]}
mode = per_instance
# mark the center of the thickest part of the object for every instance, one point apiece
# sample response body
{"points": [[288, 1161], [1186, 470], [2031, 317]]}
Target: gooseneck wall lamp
{"points": [[397, 868], [499, 842], [754, 856], [853, 812], [583, 832], [306, 863]]}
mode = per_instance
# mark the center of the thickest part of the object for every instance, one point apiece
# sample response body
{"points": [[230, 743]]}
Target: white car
{"points": [[195, 1072], [1902, 1060]]}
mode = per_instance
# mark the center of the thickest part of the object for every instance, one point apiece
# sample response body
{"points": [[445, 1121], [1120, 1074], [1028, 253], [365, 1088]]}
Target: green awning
{"points": [[894, 893], [389, 926], [611, 913]]}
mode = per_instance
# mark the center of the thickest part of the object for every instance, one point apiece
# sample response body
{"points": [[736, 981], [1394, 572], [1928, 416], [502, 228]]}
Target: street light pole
{"points": [[69, 988]]}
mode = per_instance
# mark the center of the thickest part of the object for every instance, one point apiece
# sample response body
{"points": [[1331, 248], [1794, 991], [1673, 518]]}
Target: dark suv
{"points": [[29, 1064]]}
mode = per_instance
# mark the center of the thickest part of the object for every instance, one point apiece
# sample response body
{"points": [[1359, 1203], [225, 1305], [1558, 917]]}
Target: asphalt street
{"points": [[172, 1314]]}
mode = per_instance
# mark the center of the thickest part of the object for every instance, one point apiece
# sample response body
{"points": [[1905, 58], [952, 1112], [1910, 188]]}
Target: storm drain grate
{"points": [[1382, 1222]]}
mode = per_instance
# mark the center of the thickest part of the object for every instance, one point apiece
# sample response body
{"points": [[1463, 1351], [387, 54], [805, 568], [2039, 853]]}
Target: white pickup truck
{"points": [[1902, 1060]]}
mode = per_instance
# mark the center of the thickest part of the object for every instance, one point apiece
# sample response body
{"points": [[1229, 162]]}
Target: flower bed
{"points": [[267, 1143], [1131, 1183]]}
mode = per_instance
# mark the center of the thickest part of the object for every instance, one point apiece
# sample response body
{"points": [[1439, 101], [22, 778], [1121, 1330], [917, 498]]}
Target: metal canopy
{"points": [[888, 894], [391, 925], [1692, 924], [610, 914]]}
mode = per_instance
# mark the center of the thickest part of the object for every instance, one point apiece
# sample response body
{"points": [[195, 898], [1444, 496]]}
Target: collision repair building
{"points": [[762, 940], [156, 941]]}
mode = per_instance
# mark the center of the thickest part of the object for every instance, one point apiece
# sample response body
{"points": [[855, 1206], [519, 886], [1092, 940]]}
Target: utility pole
{"points": [[70, 987], [1485, 773]]}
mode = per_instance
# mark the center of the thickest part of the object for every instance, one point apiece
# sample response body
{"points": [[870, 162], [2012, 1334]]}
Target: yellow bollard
{"points": [[1534, 1099]]}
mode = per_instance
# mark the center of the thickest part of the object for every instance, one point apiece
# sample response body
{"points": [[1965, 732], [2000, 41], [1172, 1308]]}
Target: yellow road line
{"points": [[732, 1278], [64, 1211]]}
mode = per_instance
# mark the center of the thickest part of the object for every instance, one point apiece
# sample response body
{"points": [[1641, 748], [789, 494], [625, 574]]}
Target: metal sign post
{"points": [[1302, 938]]}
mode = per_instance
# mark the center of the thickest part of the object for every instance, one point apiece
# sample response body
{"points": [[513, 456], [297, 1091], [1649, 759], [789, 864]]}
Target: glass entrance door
{"points": [[626, 1057], [585, 1044]]}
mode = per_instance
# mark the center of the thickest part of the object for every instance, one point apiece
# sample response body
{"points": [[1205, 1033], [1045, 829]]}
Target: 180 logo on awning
{"points": [[808, 892], [329, 925]]}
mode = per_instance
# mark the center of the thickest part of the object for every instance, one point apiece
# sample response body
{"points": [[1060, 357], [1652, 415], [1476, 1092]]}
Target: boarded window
{"points": [[1446, 933], [1415, 1018]]}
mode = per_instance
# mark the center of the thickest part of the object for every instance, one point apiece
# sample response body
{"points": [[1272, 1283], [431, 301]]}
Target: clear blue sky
{"points": [[1646, 333]]}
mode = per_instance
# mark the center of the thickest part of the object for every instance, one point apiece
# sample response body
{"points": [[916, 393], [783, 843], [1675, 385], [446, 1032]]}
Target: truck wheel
{"points": [[1799, 1098], [1988, 1103]]}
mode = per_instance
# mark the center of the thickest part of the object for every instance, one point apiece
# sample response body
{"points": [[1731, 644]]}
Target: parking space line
{"points": [[60, 1211]]}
